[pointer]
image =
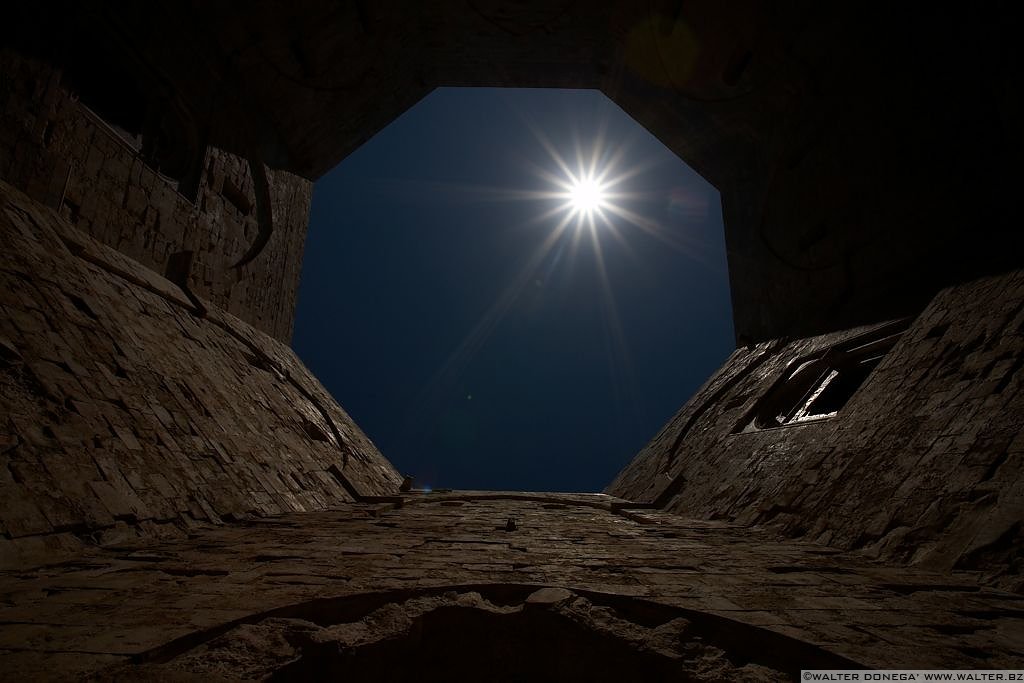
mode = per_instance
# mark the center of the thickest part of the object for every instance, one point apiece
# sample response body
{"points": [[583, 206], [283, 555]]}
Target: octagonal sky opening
{"points": [[483, 334]]}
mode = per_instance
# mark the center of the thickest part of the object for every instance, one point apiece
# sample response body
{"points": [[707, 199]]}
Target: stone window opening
{"points": [[179, 172], [152, 126], [819, 386]]}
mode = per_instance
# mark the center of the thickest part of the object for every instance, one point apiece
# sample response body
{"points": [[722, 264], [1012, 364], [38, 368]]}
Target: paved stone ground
{"points": [[112, 605]]}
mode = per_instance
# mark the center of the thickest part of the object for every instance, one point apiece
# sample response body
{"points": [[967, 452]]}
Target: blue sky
{"points": [[479, 344]]}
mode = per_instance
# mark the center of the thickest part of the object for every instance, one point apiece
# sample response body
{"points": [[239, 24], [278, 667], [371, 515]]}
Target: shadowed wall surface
{"points": [[126, 413], [67, 157], [171, 472], [922, 464], [247, 600], [852, 147]]}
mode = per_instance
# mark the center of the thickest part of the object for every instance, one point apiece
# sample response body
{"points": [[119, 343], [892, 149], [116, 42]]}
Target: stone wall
{"points": [[256, 601], [125, 409], [62, 154], [922, 465]]}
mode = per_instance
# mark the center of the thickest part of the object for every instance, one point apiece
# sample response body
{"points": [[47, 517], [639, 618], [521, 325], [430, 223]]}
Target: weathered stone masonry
{"points": [[180, 499], [58, 152], [194, 606], [922, 465], [125, 413]]}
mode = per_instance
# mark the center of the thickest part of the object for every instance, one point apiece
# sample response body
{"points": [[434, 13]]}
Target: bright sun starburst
{"points": [[588, 200], [589, 191], [586, 196]]}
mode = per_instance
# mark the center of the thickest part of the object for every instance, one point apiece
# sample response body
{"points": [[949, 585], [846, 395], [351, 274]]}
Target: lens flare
{"points": [[588, 200], [586, 196]]}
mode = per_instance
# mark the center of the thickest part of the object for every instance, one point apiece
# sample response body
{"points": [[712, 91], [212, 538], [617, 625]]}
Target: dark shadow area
{"points": [[459, 644], [495, 632]]}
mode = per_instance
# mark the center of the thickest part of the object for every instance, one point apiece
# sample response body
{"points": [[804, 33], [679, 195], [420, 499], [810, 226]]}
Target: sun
{"points": [[586, 196]]}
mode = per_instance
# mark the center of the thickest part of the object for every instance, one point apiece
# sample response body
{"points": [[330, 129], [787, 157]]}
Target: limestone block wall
{"points": [[123, 411], [251, 602], [922, 465], [62, 154]]}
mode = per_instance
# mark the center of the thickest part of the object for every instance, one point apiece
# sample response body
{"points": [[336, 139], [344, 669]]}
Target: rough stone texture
{"points": [[924, 464], [146, 433], [124, 412], [167, 603], [463, 636], [60, 153]]}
